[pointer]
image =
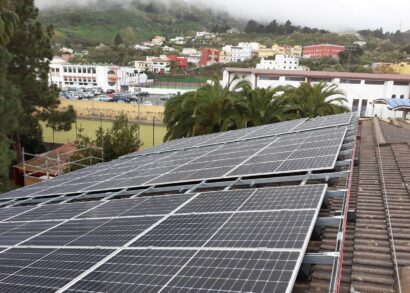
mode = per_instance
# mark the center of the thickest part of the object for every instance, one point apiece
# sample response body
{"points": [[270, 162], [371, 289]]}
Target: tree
{"points": [[263, 106], [352, 54], [312, 100], [178, 117], [251, 27], [118, 40], [8, 21], [202, 112], [30, 51], [9, 111], [272, 27], [120, 140]]}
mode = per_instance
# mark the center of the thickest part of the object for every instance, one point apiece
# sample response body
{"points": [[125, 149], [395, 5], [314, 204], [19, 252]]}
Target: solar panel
{"points": [[236, 271], [14, 233], [135, 271], [157, 205], [250, 133], [44, 270], [101, 232], [264, 153], [172, 251], [244, 240], [55, 212]]}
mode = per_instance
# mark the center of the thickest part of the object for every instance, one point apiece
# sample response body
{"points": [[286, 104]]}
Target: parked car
{"points": [[147, 103], [120, 99], [102, 98], [143, 94], [110, 92]]}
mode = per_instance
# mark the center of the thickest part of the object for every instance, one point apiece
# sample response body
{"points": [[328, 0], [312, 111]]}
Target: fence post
{"points": [[58, 164], [24, 165]]}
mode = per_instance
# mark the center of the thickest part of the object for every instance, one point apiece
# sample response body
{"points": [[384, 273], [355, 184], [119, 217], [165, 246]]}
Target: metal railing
{"points": [[61, 163]]}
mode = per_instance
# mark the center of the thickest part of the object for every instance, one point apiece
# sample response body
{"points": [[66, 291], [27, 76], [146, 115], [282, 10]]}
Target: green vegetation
{"points": [[214, 108], [91, 126], [138, 21], [280, 29], [25, 97]]}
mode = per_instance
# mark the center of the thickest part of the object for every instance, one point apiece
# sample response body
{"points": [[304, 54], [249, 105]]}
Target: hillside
{"points": [[137, 21]]}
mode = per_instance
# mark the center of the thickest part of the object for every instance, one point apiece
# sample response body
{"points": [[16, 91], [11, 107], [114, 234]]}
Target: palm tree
{"points": [[178, 117], [202, 112], [211, 105], [261, 106], [316, 100], [8, 21]]}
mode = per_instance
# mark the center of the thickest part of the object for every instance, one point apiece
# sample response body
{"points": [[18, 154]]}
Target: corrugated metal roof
{"points": [[394, 104]]}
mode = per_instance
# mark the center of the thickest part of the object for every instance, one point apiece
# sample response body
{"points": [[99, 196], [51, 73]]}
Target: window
{"points": [[401, 96], [294, 78], [364, 108], [321, 79], [94, 71], [79, 70], [355, 105], [57, 69], [403, 83], [393, 96], [374, 82], [265, 77], [70, 70], [350, 81], [89, 70]]}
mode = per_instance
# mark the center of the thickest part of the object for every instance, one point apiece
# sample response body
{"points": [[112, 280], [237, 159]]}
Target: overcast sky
{"points": [[334, 15]]}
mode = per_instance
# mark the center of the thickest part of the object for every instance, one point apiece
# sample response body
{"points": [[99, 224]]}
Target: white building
{"points": [[237, 53], [178, 40], [193, 55], [205, 35], [281, 62], [142, 47], [189, 51], [160, 64], [360, 89], [254, 45], [158, 40], [168, 49], [202, 34], [107, 77]]}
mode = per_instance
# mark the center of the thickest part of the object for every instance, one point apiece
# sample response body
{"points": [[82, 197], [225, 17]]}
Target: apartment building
{"points": [[281, 62]]}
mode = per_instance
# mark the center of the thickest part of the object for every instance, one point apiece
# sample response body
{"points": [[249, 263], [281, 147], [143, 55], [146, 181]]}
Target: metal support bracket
{"points": [[326, 258]]}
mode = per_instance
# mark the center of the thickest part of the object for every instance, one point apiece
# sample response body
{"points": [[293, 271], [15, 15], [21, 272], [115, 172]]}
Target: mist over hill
{"points": [[95, 21]]}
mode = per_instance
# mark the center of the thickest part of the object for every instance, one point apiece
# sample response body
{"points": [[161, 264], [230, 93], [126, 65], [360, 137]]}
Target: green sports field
{"points": [[91, 126]]}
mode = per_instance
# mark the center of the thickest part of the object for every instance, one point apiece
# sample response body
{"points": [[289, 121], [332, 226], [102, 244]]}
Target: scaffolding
{"points": [[44, 166]]}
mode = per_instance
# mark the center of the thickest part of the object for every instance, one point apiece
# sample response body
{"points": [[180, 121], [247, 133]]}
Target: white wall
{"points": [[362, 92]]}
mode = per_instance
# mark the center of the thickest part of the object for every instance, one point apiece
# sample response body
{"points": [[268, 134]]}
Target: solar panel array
{"points": [[245, 240], [226, 157], [226, 241], [250, 133]]}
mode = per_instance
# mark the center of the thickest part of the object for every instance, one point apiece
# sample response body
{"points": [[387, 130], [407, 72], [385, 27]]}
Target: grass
{"points": [[91, 126]]}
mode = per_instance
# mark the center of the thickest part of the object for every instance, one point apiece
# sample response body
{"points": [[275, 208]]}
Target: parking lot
{"points": [[154, 100]]}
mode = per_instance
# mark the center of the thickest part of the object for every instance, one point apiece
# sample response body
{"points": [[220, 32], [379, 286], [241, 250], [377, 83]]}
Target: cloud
{"points": [[336, 15]]}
